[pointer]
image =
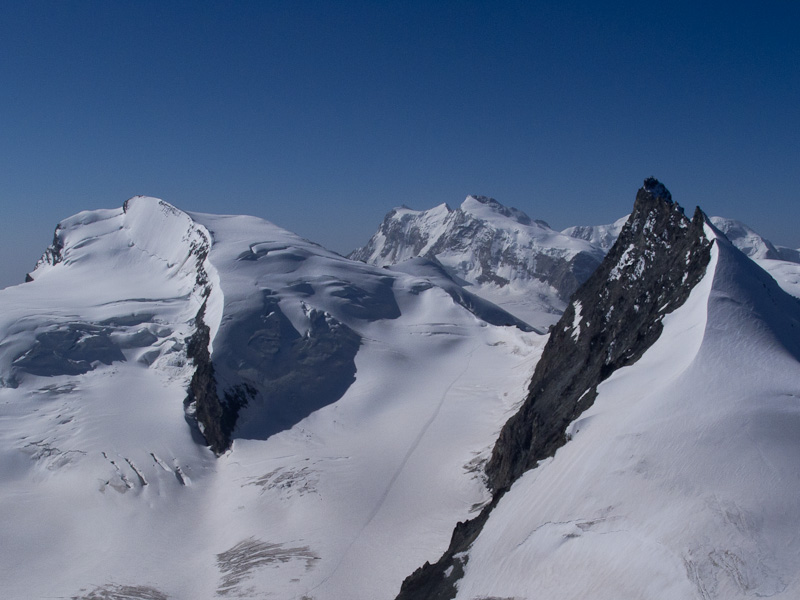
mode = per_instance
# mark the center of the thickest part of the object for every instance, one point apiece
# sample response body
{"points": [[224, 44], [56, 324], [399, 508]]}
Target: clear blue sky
{"points": [[322, 116]]}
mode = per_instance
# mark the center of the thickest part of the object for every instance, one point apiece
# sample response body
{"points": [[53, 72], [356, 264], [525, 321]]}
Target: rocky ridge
{"points": [[613, 318]]}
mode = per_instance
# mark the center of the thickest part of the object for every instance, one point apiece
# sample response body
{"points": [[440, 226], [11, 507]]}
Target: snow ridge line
{"points": [[623, 318]]}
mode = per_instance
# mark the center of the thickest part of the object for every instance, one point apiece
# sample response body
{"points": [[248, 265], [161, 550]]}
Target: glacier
{"points": [[109, 486]]}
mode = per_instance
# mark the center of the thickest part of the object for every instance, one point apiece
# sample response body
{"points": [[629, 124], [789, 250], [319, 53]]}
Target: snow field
{"points": [[678, 482], [107, 491]]}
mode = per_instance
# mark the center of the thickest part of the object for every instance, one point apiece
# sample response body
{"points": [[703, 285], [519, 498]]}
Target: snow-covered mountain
{"points": [[740, 235], [147, 334], [751, 243], [654, 454], [502, 254], [202, 406], [602, 236]]}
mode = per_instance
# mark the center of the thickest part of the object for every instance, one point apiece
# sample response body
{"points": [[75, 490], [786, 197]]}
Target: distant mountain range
{"points": [[521, 264], [472, 406], [499, 253]]}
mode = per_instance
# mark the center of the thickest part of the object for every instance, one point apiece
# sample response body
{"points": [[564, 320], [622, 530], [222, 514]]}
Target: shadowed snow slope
{"points": [[293, 318], [681, 480], [368, 401]]}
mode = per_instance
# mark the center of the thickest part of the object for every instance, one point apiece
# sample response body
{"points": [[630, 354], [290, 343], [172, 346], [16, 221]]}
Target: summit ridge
{"points": [[500, 253]]}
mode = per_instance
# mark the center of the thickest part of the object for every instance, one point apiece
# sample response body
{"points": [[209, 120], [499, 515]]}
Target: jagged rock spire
{"points": [[656, 189], [612, 319]]}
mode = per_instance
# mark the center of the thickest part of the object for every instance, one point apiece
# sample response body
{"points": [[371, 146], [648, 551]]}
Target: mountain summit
{"points": [[648, 459], [658, 258], [501, 253]]}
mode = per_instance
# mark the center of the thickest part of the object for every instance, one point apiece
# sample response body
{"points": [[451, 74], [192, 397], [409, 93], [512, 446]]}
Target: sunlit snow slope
{"points": [[109, 489], [681, 481], [602, 236]]}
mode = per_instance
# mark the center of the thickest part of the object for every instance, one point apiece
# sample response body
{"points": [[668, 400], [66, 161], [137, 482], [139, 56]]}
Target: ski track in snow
{"points": [[135, 473], [414, 445]]}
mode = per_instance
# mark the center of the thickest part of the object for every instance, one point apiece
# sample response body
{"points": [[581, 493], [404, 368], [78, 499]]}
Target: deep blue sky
{"points": [[322, 116]]}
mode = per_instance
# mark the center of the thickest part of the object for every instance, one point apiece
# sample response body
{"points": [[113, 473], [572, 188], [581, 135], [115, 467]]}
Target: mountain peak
{"points": [[498, 250], [478, 206], [611, 320], [483, 200], [657, 259], [656, 189]]}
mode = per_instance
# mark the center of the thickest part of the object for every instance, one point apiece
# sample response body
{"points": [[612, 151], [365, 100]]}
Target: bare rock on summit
{"points": [[611, 320]]}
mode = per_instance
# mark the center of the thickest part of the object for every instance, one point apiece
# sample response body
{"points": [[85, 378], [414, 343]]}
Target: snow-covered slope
{"points": [[502, 254], [751, 243], [360, 403], [352, 411], [96, 461], [779, 261], [680, 480], [602, 236]]}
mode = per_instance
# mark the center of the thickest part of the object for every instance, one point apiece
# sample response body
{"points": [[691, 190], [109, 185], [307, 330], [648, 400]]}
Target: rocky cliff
{"points": [[615, 316]]}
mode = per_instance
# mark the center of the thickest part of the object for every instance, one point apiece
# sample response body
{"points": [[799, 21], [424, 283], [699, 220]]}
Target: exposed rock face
{"points": [[484, 243], [213, 415], [216, 417], [52, 255], [616, 315], [612, 320], [264, 374]]}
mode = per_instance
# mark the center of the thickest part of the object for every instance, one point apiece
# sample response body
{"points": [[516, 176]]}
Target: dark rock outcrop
{"points": [[266, 376], [215, 417], [437, 581], [612, 320], [53, 255]]}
